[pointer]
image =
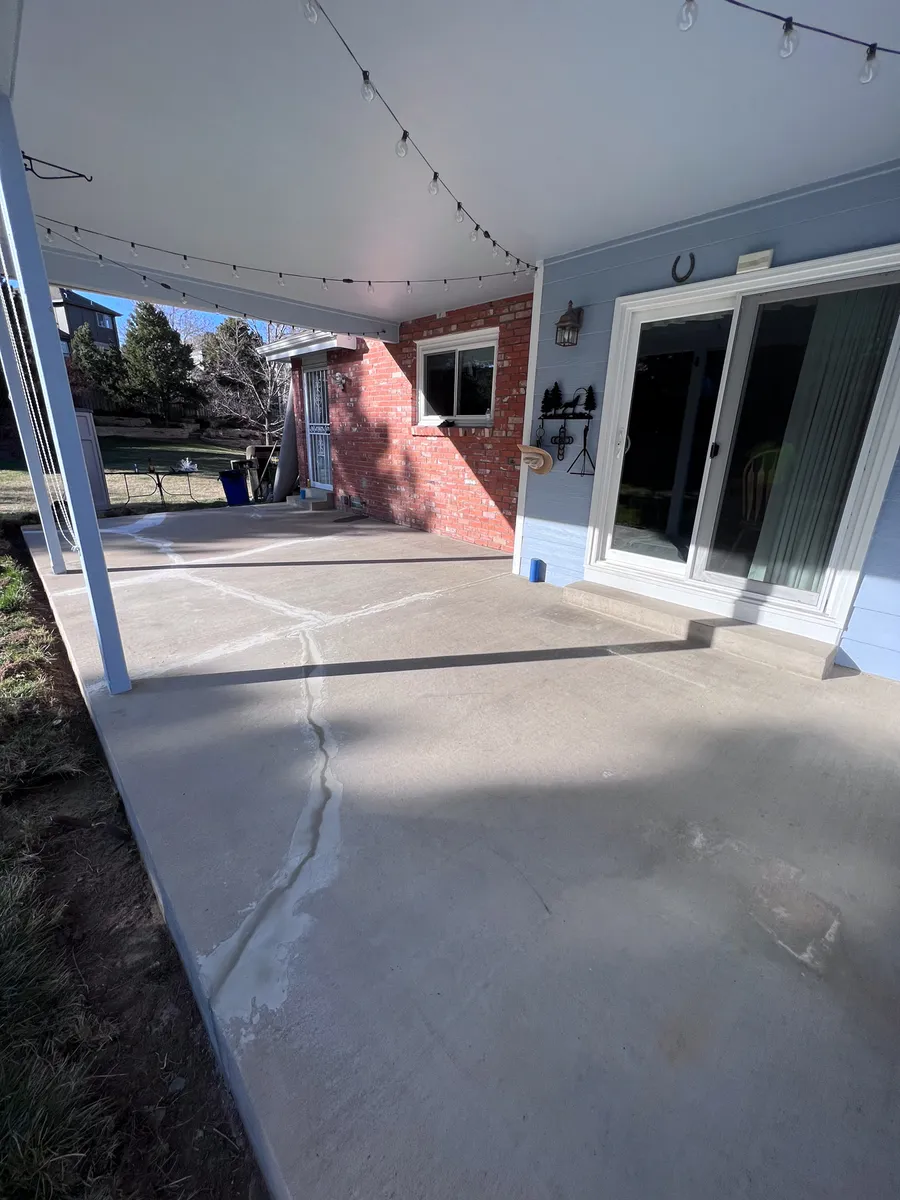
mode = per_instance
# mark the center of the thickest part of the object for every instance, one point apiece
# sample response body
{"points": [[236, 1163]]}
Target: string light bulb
{"points": [[459, 213], [402, 147], [446, 286], [790, 39], [473, 236], [48, 236], [508, 259], [184, 262], [367, 91], [144, 281], [280, 279], [408, 288], [433, 188], [184, 298], [134, 252], [870, 65], [311, 11], [99, 260], [370, 289], [496, 250], [77, 233], [324, 284], [480, 283], [687, 15], [234, 271]]}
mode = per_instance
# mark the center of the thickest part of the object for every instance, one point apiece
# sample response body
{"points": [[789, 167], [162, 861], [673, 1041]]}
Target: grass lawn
{"points": [[139, 493], [108, 1090]]}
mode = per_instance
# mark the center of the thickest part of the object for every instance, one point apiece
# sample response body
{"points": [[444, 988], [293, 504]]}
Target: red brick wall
{"points": [[459, 482]]}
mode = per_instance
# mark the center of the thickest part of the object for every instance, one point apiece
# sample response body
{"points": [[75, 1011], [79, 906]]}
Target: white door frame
{"points": [[826, 618], [310, 434]]}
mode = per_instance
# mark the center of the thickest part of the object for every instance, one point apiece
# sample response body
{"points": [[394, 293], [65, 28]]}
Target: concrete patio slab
{"points": [[484, 895]]}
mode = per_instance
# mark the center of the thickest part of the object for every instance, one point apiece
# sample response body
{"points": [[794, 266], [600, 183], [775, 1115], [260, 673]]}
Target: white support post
{"points": [[30, 447], [29, 268]]}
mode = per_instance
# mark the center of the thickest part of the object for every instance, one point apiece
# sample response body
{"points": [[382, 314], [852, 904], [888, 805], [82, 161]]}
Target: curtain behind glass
{"points": [[848, 344]]}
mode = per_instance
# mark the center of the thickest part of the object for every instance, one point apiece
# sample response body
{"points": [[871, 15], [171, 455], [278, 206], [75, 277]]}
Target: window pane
{"points": [[476, 381], [676, 384], [810, 386], [438, 384]]}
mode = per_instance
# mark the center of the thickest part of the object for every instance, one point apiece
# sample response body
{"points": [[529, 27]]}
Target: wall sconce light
{"points": [[568, 325], [341, 380]]}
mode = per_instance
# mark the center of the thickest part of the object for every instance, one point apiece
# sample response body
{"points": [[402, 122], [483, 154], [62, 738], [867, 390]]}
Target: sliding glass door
{"points": [[731, 440], [798, 400]]}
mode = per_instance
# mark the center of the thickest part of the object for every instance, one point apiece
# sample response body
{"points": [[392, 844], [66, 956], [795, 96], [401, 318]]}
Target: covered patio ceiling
{"points": [[236, 131]]}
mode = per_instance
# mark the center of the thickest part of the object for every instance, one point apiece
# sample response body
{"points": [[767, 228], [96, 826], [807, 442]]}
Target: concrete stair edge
{"points": [[785, 651]]}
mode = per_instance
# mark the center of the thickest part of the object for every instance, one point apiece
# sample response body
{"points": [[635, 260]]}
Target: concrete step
{"points": [[788, 651]]}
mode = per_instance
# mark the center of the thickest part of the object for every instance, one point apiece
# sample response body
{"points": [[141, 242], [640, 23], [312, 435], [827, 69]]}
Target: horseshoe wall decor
{"points": [[688, 273]]}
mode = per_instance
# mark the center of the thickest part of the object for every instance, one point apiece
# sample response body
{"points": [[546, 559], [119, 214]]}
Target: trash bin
{"points": [[234, 484]]}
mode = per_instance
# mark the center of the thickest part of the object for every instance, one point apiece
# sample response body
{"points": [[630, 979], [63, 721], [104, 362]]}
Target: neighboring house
{"points": [[749, 423], [424, 432], [72, 310]]}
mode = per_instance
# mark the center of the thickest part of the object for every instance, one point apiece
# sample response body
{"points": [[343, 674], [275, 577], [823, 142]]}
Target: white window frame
{"points": [[826, 619], [476, 339]]}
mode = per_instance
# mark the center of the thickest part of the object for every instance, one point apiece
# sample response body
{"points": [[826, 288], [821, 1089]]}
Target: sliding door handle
{"points": [[713, 449]]}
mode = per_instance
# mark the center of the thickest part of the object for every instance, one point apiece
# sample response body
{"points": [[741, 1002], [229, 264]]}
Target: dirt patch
{"points": [[176, 1132]]}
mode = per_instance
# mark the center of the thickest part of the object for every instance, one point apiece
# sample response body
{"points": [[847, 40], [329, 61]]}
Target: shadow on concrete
{"points": [[428, 663], [314, 562]]}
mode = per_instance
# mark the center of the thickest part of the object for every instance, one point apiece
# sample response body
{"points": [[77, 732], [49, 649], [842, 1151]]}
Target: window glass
{"points": [[476, 380], [439, 384]]}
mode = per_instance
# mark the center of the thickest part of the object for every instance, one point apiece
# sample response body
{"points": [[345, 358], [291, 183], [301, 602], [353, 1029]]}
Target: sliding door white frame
{"points": [[826, 616]]}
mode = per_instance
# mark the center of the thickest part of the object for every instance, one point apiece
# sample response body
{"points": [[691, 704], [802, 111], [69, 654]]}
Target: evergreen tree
{"points": [[590, 400], [158, 364], [556, 397], [101, 368]]}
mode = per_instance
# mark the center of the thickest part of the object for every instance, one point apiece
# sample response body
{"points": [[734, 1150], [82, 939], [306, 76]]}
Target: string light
{"points": [[480, 283], [184, 263], [313, 9], [687, 15], [324, 284], [790, 36], [789, 39], [870, 64], [508, 260], [446, 286], [408, 288], [99, 260], [184, 298], [144, 281], [370, 289], [473, 236], [48, 236], [50, 223], [77, 232]]}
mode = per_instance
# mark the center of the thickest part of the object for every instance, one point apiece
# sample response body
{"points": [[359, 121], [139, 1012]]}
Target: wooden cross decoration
{"points": [[561, 440]]}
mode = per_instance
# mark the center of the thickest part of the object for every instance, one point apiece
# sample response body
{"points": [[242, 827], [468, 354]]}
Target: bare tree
{"points": [[237, 382]]}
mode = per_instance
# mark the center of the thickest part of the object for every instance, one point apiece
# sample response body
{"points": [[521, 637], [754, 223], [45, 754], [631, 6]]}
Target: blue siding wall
{"points": [[851, 213], [872, 640]]}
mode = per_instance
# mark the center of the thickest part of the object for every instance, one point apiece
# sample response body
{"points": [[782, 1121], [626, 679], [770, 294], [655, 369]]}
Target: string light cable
{"points": [[790, 37], [313, 9], [51, 229]]}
